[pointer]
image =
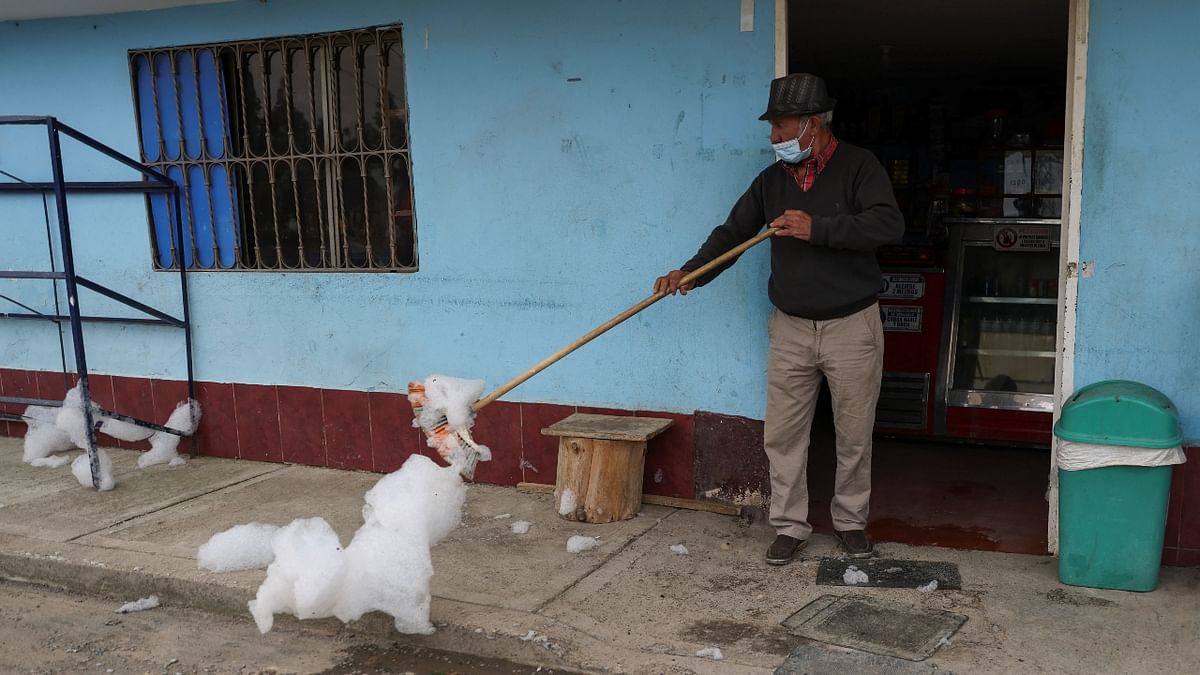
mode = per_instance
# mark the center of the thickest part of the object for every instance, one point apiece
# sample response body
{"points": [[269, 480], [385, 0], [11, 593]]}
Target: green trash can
{"points": [[1117, 442]]}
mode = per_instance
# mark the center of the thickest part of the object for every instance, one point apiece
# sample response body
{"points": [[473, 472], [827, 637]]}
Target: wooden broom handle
{"points": [[611, 323]]}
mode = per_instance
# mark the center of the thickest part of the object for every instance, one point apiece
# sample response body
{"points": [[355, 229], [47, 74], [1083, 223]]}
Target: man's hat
{"points": [[797, 94]]}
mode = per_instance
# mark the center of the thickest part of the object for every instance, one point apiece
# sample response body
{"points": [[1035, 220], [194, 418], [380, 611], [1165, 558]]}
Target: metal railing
{"points": [[153, 182]]}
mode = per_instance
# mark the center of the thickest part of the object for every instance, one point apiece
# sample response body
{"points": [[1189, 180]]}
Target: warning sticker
{"points": [[901, 318], [906, 286], [1014, 238]]}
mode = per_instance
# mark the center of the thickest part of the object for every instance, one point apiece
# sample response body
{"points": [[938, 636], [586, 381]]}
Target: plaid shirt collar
{"points": [[806, 172]]}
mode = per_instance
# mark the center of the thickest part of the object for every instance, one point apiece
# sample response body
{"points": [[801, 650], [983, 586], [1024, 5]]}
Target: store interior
{"points": [[964, 104]]}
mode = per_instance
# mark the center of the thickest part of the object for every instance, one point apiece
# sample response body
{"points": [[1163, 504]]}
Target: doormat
{"points": [[871, 625], [820, 659], [890, 574]]}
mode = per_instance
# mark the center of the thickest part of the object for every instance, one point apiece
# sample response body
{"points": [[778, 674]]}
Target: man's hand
{"points": [[794, 223], [670, 283]]}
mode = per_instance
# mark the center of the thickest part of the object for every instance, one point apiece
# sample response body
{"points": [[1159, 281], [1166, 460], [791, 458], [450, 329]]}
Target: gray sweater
{"points": [[854, 212]]}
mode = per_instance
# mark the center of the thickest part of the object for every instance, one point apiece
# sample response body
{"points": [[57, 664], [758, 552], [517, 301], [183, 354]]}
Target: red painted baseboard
{"points": [[705, 453]]}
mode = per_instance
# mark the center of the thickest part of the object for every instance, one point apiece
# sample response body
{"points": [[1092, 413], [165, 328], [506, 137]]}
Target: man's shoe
{"points": [[783, 549], [857, 543]]}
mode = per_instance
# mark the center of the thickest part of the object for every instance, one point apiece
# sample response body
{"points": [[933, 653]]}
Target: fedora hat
{"points": [[797, 94]]}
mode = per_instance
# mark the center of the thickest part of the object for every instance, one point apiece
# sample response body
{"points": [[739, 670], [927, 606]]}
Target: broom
{"points": [[456, 445]]}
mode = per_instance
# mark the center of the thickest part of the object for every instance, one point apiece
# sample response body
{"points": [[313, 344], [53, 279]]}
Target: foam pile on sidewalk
{"points": [[387, 566], [53, 430]]}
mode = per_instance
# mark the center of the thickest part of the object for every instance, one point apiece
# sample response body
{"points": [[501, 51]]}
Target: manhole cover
{"points": [[821, 659], [874, 626], [890, 573]]}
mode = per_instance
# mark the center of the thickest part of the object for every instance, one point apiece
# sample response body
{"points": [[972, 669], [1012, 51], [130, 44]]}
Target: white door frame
{"points": [[1072, 200], [1069, 264]]}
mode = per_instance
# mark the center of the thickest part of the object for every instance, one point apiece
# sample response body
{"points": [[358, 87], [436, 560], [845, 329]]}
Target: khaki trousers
{"points": [[848, 352]]}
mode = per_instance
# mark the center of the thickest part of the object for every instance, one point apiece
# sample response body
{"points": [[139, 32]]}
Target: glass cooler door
{"points": [[1002, 335]]}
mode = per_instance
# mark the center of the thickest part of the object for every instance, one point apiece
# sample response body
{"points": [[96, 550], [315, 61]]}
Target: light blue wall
{"points": [[1139, 315], [544, 206]]}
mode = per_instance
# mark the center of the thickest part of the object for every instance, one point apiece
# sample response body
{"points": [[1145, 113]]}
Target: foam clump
{"points": [[70, 418], [520, 527], [242, 547], [566, 502], [305, 576], [82, 469], [163, 445], [43, 438], [443, 410], [124, 431], [579, 544], [138, 605], [679, 549], [386, 567], [854, 576], [713, 653], [449, 398], [53, 430]]}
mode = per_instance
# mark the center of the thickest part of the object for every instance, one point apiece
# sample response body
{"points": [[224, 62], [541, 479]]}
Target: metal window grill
{"points": [[291, 153]]}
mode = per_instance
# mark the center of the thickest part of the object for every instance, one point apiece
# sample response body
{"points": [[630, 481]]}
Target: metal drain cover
{"points": [[821, 659], [871, 625]]}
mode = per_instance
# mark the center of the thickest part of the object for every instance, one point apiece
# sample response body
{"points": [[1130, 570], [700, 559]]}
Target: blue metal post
{"points": [[187, 321], [64, 231]]}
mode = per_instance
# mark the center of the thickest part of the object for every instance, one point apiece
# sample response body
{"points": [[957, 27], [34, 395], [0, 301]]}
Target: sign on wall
{"points": [[1015, 238], [901, 318], [905, 286]]}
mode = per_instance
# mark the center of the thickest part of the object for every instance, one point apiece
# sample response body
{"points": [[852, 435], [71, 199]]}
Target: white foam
{"points": [[520, 527], [70, 418], [42, 437], [854, 576], [138, 605], [53, 461], [450, 398], [578, 544], [566, 503], [305, 576], [386, 567], [124, 431], [679, 549], [713, 653], [163, 446], [929, 587], [242, 547], [82, 468]]}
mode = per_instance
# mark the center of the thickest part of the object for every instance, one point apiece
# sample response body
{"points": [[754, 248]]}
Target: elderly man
{"points": [[833, 205]]}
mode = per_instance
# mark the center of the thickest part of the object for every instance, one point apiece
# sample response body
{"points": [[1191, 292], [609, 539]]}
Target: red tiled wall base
{"points": [[370, 431], [1181, 545], [373, 431]]}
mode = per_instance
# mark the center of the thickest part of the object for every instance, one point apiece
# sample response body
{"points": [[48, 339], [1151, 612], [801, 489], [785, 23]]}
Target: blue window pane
{"points": [[212, 110], [202, 227], [161, 220], [146, 114], [176, 174], [168, 106], [189, 103], [224, 206]]}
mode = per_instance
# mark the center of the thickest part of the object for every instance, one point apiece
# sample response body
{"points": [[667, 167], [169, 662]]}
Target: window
{"points": [[292, 153]]}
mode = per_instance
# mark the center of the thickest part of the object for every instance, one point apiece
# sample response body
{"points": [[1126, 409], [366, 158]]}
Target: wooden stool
{"points": [[600, 463]]}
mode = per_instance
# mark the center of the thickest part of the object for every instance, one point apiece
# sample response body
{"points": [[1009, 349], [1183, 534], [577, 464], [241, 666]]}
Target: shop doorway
{"points": [[964, 103]]}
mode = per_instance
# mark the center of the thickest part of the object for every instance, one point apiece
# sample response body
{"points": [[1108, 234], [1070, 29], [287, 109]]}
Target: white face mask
{"points": [[790, 152]]}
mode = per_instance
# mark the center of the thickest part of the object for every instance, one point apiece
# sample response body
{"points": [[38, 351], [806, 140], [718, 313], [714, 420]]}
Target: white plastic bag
{"points": [[1074, 456]]}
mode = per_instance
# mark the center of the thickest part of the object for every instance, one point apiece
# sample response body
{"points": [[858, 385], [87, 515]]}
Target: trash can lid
{"points": [[1120, 412]]}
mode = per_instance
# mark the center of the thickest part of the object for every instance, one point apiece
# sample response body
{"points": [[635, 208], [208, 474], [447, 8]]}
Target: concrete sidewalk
{"points": [[629, 606]]}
